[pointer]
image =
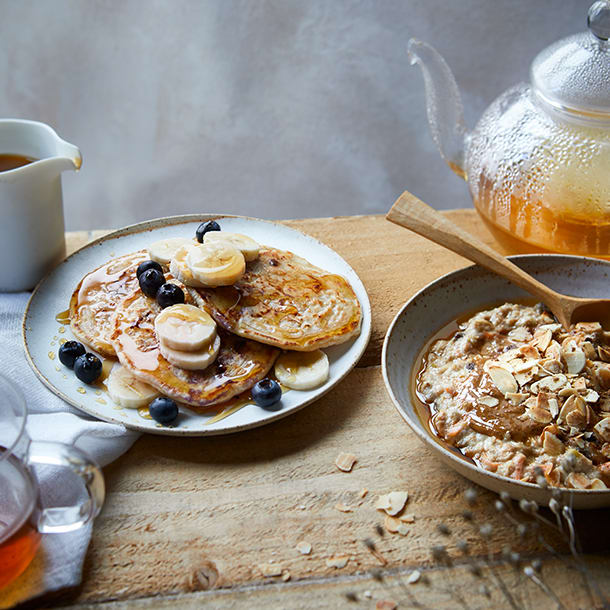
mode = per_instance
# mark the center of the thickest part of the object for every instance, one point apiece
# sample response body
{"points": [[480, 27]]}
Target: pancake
{"points": [[240, 363], [285, 301], [96, 297]]}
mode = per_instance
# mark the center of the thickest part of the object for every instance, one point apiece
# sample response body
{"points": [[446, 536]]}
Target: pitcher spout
{"points": [[443, 104]]}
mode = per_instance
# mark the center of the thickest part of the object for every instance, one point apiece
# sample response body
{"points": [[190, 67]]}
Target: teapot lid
{"points": [[573, 74]]}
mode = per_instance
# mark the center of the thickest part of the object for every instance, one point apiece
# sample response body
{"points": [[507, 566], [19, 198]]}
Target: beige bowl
{"points": [[460, 292]]}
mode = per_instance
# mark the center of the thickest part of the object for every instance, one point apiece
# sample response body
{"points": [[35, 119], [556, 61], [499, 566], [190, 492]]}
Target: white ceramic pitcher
{"points": [[32, 238]]}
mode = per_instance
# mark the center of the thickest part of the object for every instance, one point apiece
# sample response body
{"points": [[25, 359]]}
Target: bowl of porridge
{"points": [[499, 389]]}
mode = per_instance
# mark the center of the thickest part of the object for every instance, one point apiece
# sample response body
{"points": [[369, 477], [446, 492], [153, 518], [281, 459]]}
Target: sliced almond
{"points": [[542, 339], [604, 353], [597, 484], [286, 575], [567, 391], [553, 407], [303, 547], [414, 577], [542, 416], [602, 429], [489, 401], [553, 350], [337, 561], [526, 376], [589, 327], [393, 502], [553, 326], [516, 398], [270, 569], [550, 366], [574, 358], [343, 508], [529, 352], [578, 480], [403, 530], [580, 383], [520, 366], [574, 412], [520, 334], [551, 444], [503, 379], [552, 383], [591, 396], [509, 355], [408, 518], [391, 524], [589, 349], [345, 461], [602, 374]]}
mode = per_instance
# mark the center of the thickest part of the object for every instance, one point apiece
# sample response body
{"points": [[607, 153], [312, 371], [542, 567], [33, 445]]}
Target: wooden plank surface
{"points": [[181, 513]]}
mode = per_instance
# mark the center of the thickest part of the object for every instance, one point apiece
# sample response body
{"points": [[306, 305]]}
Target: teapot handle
{"points": [[443, 104]]}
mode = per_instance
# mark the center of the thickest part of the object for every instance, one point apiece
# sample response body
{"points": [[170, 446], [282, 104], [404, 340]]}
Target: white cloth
{"points": [[59, 561]]}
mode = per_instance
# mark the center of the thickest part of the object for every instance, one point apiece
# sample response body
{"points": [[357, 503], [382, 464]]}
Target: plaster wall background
{"points": [[271, 108]]}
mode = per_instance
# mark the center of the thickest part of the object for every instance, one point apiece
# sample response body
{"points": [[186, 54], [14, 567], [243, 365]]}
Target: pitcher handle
{"points": [[60, 519]]}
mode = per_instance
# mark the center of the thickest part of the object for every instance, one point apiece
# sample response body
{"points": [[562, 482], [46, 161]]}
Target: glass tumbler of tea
{"points": [[23, 518]]}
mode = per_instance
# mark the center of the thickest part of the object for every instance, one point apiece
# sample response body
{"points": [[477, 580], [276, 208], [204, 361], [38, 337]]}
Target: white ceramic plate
{"points": [[464, 291], [41, 331]]}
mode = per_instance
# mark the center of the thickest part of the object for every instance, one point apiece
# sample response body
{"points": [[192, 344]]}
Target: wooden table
{"points": [[193, 521]]}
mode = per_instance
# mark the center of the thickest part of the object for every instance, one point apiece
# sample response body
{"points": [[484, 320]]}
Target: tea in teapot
{"points": [[538, 161]]}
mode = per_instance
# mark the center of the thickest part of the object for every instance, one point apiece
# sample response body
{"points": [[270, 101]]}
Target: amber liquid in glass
{"points": [[19, 548]]}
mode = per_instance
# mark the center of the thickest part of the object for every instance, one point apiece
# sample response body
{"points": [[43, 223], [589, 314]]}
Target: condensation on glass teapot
{"points": [[538, 161]]}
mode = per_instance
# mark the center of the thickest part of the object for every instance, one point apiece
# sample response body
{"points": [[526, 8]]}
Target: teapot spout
{"points": [[443, 104]]}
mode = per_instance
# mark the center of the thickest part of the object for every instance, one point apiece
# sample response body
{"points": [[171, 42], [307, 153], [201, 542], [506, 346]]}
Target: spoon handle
{"points": [[410, 212]]}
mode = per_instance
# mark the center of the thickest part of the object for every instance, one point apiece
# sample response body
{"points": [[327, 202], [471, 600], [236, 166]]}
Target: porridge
{"points": [[519, 395]]}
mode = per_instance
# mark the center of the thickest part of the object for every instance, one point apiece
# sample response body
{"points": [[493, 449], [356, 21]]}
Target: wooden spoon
{"points": [[414, 214]]}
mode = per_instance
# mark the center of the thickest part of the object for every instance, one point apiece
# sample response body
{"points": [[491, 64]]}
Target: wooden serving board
{"points": [[193, 521]]}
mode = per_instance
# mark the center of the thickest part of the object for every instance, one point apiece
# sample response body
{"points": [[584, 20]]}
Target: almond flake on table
{"points": [[268, 569], [414, 577], [392, 503], [343, 508], [386, 604], [337, 561], [286, 575], [304, 547], [345, 461], [395, 526]]}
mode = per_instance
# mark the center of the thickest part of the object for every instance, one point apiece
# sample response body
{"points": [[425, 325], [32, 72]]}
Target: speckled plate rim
{"points": [[578, 498], [165, 221]]}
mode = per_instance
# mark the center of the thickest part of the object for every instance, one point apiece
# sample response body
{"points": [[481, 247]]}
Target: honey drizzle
{"points": [[63, 317]]}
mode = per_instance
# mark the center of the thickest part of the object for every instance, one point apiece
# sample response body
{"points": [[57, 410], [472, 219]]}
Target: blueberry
{"points": [[204, 227], [87, 368], [163, 410], [150, 281], [142, 267], [69, 352], [266, 392], [169, 294]]}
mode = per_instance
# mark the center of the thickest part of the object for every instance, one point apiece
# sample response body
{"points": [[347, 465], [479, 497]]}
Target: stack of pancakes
{"points": [[281, 302]]}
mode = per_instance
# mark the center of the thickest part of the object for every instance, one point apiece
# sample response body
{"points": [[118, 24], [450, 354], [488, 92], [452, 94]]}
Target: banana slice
{"points": [[164, 250], [179, 269], [185, 328], [127, 391], [302, 370], [216, 263], [192, 361], [246, 245]]}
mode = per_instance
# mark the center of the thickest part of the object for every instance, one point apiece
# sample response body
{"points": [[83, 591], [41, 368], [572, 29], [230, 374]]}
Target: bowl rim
{"points": [[427, 437]]}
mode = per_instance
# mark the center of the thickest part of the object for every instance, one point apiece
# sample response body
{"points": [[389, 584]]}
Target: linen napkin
{"points": [[59, 561]]}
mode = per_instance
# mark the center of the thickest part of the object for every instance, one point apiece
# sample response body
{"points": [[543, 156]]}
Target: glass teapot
{"points": [[538, 161]]}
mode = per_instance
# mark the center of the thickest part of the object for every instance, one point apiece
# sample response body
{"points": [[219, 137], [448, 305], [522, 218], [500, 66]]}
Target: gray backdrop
{"points": [[278, 109]]}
